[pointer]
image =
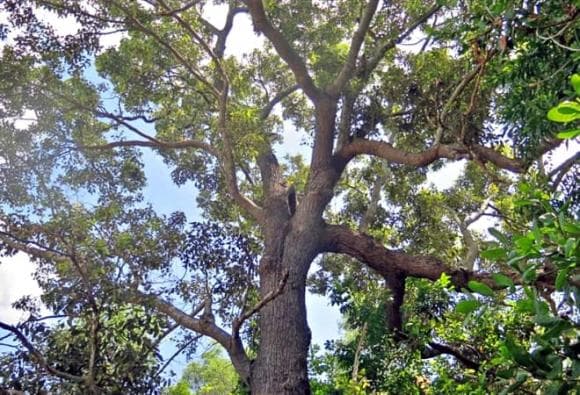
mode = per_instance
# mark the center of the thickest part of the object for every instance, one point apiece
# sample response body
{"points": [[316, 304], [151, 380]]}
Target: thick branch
{"points": [[388, 152], [284, 49], [228, 165], [347, 71], [486, 154], [201, 326], [436, 349], [389, 263]]}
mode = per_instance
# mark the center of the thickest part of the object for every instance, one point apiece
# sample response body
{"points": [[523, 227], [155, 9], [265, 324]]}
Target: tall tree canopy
{"points": [[374, 117]]}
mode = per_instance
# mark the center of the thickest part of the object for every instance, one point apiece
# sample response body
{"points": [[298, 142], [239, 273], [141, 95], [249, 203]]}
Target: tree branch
{"points": [[284, 49], [158, 144], [386, 151], [265, 300], [560, 171], [347, 71], [205, 327], [169, 47], [175, 354], [389, 263], [449, 103], [436, 349], [390, 44], [228, 164], [277, 99], [185, 7], [38, 358], [197, 39]]}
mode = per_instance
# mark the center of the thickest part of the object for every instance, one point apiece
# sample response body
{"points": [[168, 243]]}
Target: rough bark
{"points": [[281, 367]]}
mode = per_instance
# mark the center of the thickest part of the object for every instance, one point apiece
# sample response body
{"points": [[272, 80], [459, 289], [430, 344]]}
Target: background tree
{"points": [[212, 375], [375, 118]]}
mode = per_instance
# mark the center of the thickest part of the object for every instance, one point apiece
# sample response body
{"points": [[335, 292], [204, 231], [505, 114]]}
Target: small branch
{"points": [[169, 47], [451, 100], [37, 356], [228, 165], [358, 351], [124, 122], [560, 171], [387, 45], [154, 144], [197, 39], [267, 299], [175, 11], [284, 49], [175, 354], [277, 99], [347, 71]]}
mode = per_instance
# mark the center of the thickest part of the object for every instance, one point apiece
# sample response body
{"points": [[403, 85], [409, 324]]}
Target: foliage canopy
{"points": [[350, 216]]}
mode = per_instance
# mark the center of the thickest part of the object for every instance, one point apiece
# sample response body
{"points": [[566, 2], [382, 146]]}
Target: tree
{"points": [[214, 374], [117, 349], [375, 118]]}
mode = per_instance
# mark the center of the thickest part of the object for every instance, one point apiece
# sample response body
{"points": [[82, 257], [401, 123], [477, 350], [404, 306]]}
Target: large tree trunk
{"points": [[281, 366]]}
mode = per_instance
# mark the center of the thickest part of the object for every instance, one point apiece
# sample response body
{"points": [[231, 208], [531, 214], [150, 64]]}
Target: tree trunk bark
{"points": [[281, 363]]}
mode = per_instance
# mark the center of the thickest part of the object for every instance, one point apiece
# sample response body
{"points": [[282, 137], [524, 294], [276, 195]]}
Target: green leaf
{"points": [[502, 280], [524, 243], [556, 329], [467, 306], [498, 235], [562, 278], [570, 247], [571, 228], [544, 319], [575, 368], [480, 288], [575, 81], [564, 112], [494, 254], [529, 275], [523, 202], [569, 134], [520, 355]]}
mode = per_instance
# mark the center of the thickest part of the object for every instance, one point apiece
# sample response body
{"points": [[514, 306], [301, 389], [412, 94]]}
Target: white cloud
{"points": [[242, 39], [16, 281], [446, 176], [26, 120]]}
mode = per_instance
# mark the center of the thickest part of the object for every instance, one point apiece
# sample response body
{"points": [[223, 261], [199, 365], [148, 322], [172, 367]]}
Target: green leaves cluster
{"points": [[568, 111], [546, 259]]}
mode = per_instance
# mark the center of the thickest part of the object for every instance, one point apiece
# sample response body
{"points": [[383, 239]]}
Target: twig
{"points": [[238, 321]]}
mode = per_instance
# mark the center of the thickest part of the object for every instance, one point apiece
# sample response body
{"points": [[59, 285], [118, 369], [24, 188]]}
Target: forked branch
{"points": [[347, 71], [284, 49]]}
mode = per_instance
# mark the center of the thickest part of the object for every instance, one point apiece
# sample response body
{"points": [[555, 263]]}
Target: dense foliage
{"points": [[381, 94]]}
